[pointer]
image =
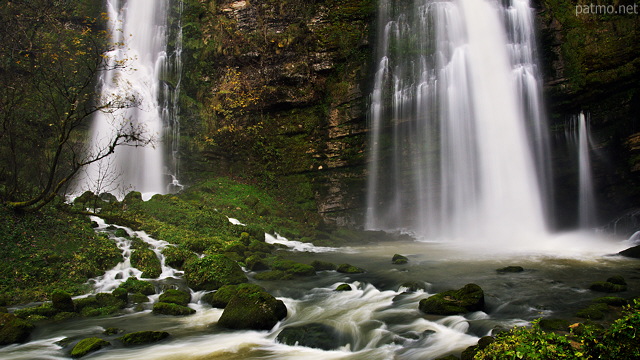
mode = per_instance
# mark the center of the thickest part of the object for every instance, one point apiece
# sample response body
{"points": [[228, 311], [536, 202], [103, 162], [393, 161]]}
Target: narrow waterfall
{"points": [[458, 141], [586, 197], [152, 75]]}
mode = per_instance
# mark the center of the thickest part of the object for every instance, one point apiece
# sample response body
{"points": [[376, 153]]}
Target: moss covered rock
{"points": [[254, 310], [99, 305], [174, 296], [510, 269], [146, 261], [256, 263], [221, 298], [172, 309], [344, 287], [398, 259], [213, 271], [134, 285], [88, 345], [314, 335], [349, 269], [13, 329], [607, 287], [323, 265], [177, 256], [62, 301], [293, 268], [467, 299], [143, 337], [273, 275]]}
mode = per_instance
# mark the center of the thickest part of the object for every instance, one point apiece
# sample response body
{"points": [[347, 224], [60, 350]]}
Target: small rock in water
{"points": [[88, 345], [314, 335], [344, 287], [510, 269], [399, 259], [467, 299], [143, 337], [349, 269]]}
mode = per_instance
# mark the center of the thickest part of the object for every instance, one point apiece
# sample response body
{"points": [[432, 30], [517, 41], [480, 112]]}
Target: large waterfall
{"points": [[458, 143], [150, 74]]}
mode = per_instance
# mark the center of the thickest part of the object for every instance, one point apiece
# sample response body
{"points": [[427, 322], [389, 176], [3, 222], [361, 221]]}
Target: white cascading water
{"points": [[457, 132], [578, 136], [140, 31]]}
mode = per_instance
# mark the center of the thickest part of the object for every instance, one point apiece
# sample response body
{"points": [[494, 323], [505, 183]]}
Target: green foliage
{"points": [[213, 271], [529, 343], [88, 345], [145, 260], [50, 250], [134, 285]]}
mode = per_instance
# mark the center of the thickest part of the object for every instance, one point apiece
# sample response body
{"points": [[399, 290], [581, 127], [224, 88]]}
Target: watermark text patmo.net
{"points": [[593, 9]]}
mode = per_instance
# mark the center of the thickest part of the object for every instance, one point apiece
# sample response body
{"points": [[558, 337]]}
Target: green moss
{"points": [[273, 275], [323, 265], [172, 309], [50, 250], [175, 297], [344, 287], [349, 269], [252, 310], [221, 298], [135, 285], [143, 337], [467, 299], [213, 271], [89, 345], [293, 268], [145, 260], [13, 329], [399, 259], [176, 256]]}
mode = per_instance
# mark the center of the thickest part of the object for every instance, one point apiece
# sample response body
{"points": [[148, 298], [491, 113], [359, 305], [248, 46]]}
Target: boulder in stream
{"points": [[349, 269], [222, 296], [313, 335], [13, 329], [398, 259], [467, 299], [62, 301], [612, 285], [632, 252], [143, 337], [134, 285], [88, 345], [165, 308], [252, 311], [213, 271], [174, 296]]}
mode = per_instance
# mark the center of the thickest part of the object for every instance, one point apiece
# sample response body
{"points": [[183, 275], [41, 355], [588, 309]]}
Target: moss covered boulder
{"points": [[398, 259], [612, 285], [213, 271], [143, 337], [344, 287], [323, 265], [99, 305], [293, 268], [13, 329], [510, 269], [252, 311], [146, 261], [134, 285], [62, 301], [349, 269], [221, 298], [174, 296], [88, 345], [467, 299], [163, 308], [314, 335], [176, 256]]}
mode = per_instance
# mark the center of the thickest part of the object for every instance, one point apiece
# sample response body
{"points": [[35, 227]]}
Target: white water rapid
{"points": [[457, 145], [139, 31]]}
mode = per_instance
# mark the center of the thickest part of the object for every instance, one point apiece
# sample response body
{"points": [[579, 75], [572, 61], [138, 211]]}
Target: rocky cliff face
{"points": [[591, 63], [278, 91]]}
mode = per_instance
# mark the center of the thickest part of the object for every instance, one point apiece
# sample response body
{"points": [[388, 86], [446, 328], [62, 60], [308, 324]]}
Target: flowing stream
{"points": [[379, 319]]}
